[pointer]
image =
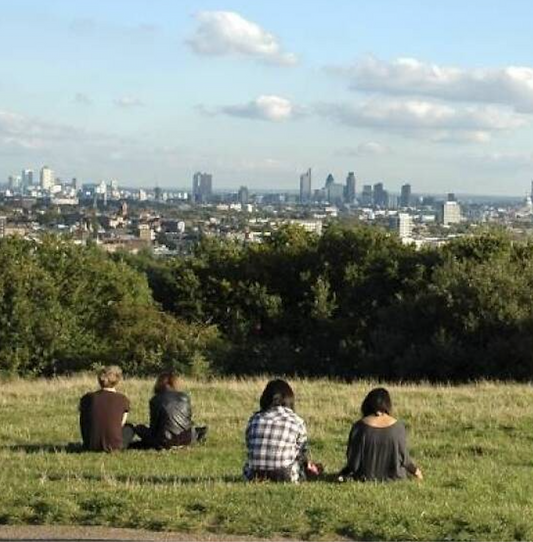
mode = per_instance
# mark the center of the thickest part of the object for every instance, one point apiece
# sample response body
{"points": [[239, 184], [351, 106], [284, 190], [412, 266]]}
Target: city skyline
{"points": [[439, 97]]}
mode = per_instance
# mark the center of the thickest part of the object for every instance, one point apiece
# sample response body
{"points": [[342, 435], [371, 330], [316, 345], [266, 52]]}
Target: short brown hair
{"points": [[109, 376], [166, 381]]}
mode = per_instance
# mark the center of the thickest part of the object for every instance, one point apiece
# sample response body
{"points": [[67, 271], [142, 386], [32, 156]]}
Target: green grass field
{"points": [[474, 444]]}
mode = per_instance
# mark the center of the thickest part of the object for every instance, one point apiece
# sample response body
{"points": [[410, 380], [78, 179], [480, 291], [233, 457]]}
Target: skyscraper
{"points": [[27, 178], [243, 195], [350, 188], [405, 196], [47, 178], [367, 196], [329, 180], [381, 197], [305, 187], [202, 187]]}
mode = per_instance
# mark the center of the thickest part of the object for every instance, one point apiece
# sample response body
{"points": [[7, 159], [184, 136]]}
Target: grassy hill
{"points": [[474, 444]]}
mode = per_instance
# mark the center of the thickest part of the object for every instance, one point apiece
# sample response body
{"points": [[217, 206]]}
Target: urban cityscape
{"points": [[169, 222]]}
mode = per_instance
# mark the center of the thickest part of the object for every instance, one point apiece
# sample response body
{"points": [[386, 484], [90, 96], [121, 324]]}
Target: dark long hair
{"points": [[378, 400], [166, 381], [277, 393]]}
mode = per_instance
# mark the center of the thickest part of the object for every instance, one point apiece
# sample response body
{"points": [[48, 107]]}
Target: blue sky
{"points": [[439, 94]]}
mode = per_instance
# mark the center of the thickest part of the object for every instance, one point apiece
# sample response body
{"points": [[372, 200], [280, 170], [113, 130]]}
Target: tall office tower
{"points": [[27, 178], [451, 197], [450, 213], [47, 178], [335, 193], [381, 197], [367, 196], [196, 186], [243, 195], [531, 194], [350, 188], [329, 180], [305, 187], [14, 182], [405, 195], [114, 191], [202, 187], [206, 186]]}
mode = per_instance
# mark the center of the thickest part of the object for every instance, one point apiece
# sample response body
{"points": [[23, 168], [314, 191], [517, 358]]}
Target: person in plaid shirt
{"points": [[276, 438]]}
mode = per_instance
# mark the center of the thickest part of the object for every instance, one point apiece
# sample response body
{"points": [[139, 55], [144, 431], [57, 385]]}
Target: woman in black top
{"points": [[170, 417], [377, 449]]}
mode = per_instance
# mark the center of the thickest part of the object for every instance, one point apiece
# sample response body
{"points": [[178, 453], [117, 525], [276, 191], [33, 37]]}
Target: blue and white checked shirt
{"points": [[276, 439]]}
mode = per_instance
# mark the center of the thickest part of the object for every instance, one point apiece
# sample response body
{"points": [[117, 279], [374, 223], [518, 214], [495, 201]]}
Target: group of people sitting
{"points": [[276, 437]]}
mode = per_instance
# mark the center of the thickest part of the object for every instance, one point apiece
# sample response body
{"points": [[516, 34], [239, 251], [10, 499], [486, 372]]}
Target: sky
{"points": [[438, 94]]}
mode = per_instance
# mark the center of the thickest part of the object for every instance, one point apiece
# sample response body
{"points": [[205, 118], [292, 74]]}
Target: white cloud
{"points": [[221, 33], [504, 159], [511, 85], [457, 136], [30, 133], [127, 102], [417, 115], [367, 148], [265, 107]]}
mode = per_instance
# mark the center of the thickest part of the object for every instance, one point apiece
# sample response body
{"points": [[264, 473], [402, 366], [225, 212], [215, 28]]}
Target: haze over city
{"points": [[436, 95]]}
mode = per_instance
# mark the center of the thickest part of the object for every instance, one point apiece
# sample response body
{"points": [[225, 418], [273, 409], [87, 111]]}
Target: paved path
{"points": [[52, 533]]}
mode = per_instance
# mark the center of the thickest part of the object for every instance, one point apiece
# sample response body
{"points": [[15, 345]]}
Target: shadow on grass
{"points": [[179, 480], [70, 448], [155, 480]]}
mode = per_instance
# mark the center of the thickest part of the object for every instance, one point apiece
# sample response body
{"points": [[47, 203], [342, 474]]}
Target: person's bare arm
{"points": [[124, 418]]}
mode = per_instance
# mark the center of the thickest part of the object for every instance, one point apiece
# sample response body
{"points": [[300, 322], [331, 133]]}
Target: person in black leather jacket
{"points": [[170, 417]]}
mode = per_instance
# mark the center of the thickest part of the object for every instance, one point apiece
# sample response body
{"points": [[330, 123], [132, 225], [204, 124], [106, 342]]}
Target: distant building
{"points": [[403, 224], [381, 197], [405, 195], [14, 183], [145, 233], [335, 193], [451, 197], [243, 196], [450, 213], [202, 187], [329, 181], [3, 222], [310, 226], [114, 191], [305, 187], [350, 188], [47, 178], [27, 178], [367, 196]]}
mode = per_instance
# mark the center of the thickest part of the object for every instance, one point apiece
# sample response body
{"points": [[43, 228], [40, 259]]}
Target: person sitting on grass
{"points": [[276, 438], [377, 449], [170, 417], [103, 415]]}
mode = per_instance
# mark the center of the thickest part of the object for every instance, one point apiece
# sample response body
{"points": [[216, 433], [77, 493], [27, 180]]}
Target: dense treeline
{"points": [[66, 308], [354, 302]]}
